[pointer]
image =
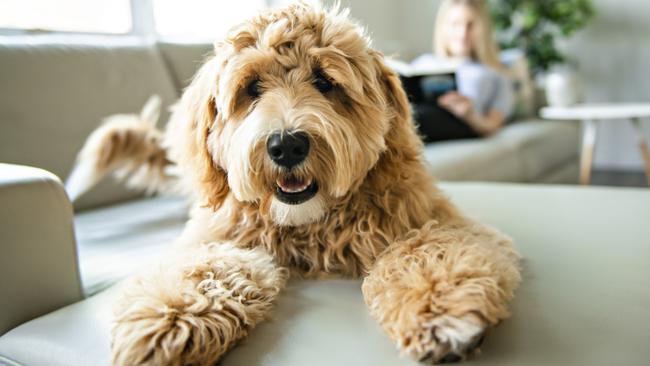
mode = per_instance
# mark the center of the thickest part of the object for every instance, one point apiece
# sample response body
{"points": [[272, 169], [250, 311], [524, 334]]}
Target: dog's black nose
{"points": [[288, 149]]}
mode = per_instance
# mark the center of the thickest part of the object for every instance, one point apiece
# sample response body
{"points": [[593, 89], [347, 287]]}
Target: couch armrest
{"points": [[38, 257]]}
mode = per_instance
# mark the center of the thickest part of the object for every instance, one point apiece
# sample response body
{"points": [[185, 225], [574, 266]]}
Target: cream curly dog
{"points": [[297, 143]]}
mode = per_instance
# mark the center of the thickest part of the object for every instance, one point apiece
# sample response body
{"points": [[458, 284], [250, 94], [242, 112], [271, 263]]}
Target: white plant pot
{"points": [[563, 88]]}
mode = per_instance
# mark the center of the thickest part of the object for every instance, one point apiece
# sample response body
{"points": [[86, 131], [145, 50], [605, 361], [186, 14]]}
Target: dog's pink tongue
{"points": [[293, 184]]}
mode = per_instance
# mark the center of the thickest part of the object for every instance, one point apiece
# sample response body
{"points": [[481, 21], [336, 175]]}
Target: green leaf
{"points": [[543, 21]]}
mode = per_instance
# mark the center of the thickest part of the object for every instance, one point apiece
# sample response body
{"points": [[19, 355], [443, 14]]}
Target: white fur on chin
{"points": [[295, 215]]}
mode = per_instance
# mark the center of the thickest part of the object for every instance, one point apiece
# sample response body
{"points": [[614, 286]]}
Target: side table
{"points": [[590, 114]]}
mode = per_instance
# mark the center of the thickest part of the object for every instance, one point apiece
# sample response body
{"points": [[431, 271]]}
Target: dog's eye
{"points": [[322, 83], [253, 88]]}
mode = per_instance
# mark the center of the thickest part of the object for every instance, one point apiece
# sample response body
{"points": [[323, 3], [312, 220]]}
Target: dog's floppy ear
{"points": [[188, 132], [392, 86], [402, 139]]}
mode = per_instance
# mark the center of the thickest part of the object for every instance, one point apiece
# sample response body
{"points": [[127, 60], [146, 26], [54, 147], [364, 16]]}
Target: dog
{"points": [[296, 143]]}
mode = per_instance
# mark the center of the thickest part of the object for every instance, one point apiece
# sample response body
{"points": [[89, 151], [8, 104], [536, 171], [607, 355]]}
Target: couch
{"points": [[583, 300], [56, 90]]}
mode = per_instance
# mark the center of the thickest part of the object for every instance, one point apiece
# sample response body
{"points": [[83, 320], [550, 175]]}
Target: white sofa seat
{"points": [[113, 242], [583, 300]]}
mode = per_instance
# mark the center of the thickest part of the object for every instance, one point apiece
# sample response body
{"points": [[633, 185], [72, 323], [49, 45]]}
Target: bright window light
{"points": [[92, 16], [202, 19]]}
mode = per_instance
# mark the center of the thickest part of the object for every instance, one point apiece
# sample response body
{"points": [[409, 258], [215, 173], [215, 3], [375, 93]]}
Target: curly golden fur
{"points": [[129, 146], [434, 279]]}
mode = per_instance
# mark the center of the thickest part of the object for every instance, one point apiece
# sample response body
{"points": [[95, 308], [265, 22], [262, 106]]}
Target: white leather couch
{"points": [[583, 301], [54, 92]]}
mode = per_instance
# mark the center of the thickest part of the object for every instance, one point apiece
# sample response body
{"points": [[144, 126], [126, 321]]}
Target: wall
{"points": [[613, 55], [400, 28], [378, 18]]}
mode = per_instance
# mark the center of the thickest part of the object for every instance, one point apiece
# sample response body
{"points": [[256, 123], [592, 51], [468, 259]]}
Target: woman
{"points": [[484, 99]]}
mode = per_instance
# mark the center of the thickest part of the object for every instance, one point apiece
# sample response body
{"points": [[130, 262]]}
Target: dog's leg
{"points": [[436, 291], [194, 306], [130, 148]]}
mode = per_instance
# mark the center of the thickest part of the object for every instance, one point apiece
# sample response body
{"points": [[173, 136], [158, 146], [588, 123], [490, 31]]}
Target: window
{"points": [[190, 19], [206, 19], [87, 16]]}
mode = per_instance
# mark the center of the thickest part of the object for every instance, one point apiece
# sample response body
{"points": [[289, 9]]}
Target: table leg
{"points": [[587, 156], [643, 146]]}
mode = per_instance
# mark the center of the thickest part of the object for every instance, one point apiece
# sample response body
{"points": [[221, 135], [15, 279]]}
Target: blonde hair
{"points": [[485, 49]]}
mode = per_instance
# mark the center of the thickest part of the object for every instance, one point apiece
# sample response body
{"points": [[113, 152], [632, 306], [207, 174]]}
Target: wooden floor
{"points": [[618, 178]]}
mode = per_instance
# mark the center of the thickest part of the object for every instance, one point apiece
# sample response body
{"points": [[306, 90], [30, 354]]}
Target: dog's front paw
{"points": [[134, 343], [445, 339], [159, 340]]}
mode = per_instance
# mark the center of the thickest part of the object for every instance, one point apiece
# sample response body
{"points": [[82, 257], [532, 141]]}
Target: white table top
{"points": [[597, 111]]}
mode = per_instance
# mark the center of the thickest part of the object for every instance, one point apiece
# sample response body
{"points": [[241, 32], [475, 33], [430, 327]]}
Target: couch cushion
{"points": [[564, 174], [114, 242], [56, 90], [486, 159], [183, 59], [584, 298], [544, 145], [521, 152]]}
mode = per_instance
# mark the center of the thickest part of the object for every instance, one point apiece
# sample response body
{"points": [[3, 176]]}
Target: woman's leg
{"points": [[438, 124]]}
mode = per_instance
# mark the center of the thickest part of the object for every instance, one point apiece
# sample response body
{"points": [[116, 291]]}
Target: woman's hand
{"points": [[459, 105], [463, 108]]}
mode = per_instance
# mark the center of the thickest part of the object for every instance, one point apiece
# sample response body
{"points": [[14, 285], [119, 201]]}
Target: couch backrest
{"points": [[183, 59], [55, 90], [516, 67]]}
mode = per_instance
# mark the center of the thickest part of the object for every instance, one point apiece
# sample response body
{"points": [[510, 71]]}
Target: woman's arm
{"points": [[463, 108], [487, 124]]}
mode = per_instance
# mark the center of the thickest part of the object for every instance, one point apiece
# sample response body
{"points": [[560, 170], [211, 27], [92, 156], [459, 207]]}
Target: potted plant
{"points": [[534, 26]]}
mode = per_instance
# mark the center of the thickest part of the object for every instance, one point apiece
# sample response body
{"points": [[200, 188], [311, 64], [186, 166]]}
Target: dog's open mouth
{"points": [[293, 190]]}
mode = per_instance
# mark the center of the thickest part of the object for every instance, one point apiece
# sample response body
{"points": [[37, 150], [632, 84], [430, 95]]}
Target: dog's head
{"points": [[291, 113]]}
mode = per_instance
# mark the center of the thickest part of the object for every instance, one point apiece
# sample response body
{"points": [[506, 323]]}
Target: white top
{"points": [[597, 111]]}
